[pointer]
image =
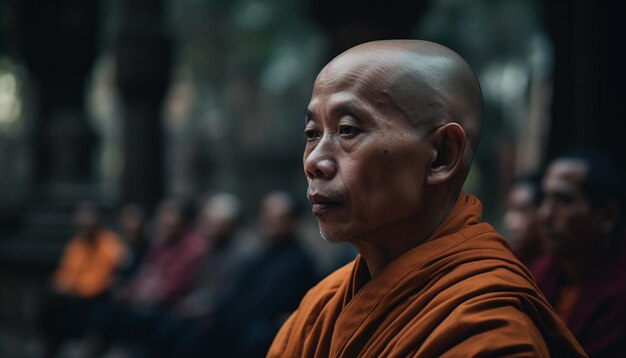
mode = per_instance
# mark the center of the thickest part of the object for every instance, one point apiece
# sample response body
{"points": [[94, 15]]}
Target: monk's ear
{"points": [[449, 142]]}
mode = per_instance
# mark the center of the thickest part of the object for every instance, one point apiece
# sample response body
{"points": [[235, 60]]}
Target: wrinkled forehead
{"points": [[356, 82], [367, 73]]}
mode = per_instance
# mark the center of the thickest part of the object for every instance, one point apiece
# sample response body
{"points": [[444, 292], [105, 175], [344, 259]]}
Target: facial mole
{"points": [[386, 151]]}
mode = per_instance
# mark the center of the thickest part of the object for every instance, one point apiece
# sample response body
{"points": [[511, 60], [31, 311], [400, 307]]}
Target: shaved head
{"points": [[429, 83], [391, 128]]}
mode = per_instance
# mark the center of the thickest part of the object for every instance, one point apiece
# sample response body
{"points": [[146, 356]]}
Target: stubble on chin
{"points": [[334, 237]]}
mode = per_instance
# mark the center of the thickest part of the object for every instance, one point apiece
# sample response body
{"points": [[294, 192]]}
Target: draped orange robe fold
{"points": [[460, 293]]}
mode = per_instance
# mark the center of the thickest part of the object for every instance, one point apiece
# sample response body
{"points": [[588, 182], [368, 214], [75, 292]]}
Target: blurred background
{"points": [[133, 101]]}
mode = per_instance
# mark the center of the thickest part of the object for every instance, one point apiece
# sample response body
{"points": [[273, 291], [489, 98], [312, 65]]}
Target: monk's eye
{"points": [[311, 134], [348, 131]]}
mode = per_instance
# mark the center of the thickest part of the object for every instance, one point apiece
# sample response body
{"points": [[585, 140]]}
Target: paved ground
{"points": [[22, 343], [18, 343]]}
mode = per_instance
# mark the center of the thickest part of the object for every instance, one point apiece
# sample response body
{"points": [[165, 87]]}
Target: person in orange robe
{"points": [[82, 280], [391, 130], [89, 263]]}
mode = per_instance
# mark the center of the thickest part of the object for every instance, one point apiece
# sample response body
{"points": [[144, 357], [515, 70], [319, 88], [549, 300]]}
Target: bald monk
{"points": [[391, 130]]}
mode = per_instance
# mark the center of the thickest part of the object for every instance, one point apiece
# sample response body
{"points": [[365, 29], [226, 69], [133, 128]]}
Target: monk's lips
{"points": [[322, 208], [323, 203]]}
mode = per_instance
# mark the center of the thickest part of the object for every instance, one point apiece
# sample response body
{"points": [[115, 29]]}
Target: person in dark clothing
{"points": [[584, 273], [248, 313], [163, 277], [272, 283], [132, 230], [181, 330]]}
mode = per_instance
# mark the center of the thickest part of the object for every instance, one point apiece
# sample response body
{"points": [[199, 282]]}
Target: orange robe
{"points": [[461, 293], [87, 268]]}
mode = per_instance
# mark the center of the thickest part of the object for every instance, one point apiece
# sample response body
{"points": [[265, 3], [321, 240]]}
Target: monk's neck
{"points": [[381, 247]]}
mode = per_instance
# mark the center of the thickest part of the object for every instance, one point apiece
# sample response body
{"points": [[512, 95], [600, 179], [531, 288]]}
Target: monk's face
{"points": [[520, 219], [566, 215], [364, 160]]}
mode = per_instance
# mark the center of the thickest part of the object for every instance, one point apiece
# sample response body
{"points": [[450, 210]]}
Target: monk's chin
{"points": [[334, 237]]}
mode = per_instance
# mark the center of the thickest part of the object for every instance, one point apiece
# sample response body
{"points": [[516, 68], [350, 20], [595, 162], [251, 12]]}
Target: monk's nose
{"points": [[319, 163]]}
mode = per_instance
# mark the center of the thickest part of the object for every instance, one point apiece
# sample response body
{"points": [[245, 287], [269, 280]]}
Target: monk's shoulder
{"points": [[481, 263], [488, 255], [483, 242]]}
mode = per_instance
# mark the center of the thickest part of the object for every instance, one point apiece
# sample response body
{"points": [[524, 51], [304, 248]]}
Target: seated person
{"points": [[391, 129], [82, 279], [171, 264], [181, 330], [270, 287], [583, 274], [166, 274], [520, 219], [132, 230]]}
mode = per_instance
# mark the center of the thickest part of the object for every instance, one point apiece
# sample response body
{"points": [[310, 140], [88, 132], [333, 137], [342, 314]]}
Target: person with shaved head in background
{"points": [[391, 129], [271, 284], [520, 219], [583, 273]]}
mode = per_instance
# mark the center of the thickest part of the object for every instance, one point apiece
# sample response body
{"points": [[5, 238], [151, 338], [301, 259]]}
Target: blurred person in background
{"points": [[165, 275], [270, 288], [132, 230], [219, 222], [583, 274], [82, 279], [131, 227], [182, 330], [170, 265], [520, 219]]}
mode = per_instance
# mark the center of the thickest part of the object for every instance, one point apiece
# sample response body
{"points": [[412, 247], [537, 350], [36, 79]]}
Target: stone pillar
{"points": [[58, 46], [143, 55], [589, 76], [56, 42]]}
